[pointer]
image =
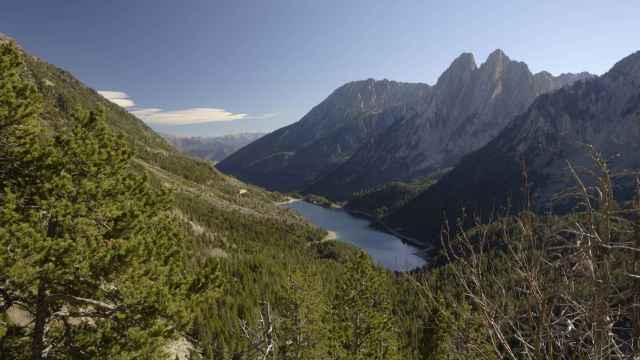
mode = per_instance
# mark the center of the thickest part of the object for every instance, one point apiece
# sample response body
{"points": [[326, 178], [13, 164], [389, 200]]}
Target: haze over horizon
{"points": [[242, 66]]}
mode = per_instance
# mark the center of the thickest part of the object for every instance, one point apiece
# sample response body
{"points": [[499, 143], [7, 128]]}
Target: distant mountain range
{"points": [[603, 112], [371, 132], [212, 148], [221, 128]]}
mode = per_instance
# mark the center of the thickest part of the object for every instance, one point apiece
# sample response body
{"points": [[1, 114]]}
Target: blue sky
{"points": [[263, 64]]}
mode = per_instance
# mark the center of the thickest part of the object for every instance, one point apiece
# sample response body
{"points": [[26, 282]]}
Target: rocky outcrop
{"points": [[468, 106], [602, 112]]}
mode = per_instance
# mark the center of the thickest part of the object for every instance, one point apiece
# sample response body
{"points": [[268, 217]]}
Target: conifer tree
{"points": [[88, 250], [361, 315], [302, 331], [20, 105]]}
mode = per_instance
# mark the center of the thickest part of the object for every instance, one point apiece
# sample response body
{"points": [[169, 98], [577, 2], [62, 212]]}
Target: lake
{"points": [[386, 249]]}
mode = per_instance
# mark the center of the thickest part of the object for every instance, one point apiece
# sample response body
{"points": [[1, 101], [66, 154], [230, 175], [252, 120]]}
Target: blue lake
{"points": [[386, 249]]}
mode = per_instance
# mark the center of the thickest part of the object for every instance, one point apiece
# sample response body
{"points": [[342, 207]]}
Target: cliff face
{"points": [[601, 112], [468, 106]]}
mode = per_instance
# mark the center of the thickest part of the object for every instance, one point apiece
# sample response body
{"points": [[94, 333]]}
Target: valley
{"points": [[247, 181]]}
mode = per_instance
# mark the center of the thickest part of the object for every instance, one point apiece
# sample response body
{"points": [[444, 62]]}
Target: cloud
{"points": [[185, 116], [177, 117], [118, 97], [262, 116]]}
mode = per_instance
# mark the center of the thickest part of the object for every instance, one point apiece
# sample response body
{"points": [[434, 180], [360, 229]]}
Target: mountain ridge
{"points": [[469, 105], [559, 127], [292, 157]]}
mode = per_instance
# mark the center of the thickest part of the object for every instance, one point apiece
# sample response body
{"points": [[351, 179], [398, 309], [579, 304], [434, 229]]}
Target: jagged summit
{"points": [[459, 70], [466, 60], [370, 132], [599, 111], [467, 108], [496, 56], [498, 60]]}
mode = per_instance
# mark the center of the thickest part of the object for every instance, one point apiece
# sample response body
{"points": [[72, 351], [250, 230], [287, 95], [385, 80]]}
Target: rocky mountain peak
{"points": [[372, 131], [499, 65], [464, 63], [459, 73], [545, 135], [543, 75], [497, 56], [373, 95]]}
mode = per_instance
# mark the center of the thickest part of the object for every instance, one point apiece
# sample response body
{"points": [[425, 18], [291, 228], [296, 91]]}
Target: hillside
{"points": [[259, 252], [383, 200], [295, 156], [553, 132]]}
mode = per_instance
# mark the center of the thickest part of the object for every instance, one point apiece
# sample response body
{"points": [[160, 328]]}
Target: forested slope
{"points": [[235, 253]]}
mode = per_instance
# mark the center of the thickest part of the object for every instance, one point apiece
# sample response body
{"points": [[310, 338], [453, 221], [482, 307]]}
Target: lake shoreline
{"points": [[288, 201], [379, 225], [396, 253]]}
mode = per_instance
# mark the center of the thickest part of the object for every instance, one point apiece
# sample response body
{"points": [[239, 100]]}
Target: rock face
{"points": [[467, 108], [291, 158], [370, 132], [603, 112]]}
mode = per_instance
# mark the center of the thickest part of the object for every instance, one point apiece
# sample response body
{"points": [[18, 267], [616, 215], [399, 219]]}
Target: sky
{"points": [[255, 66]]}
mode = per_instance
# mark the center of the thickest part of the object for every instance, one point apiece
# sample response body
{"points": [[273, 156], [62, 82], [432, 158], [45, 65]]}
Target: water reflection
{"points": [[384, 248]]}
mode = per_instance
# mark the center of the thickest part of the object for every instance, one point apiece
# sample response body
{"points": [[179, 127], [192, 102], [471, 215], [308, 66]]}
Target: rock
{"points": [[467, 108], [603, 112]]}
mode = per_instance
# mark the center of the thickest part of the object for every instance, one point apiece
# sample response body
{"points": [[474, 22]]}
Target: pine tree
{"points": [[302, 332], [88, 250], [361, 315], [20, 105]]}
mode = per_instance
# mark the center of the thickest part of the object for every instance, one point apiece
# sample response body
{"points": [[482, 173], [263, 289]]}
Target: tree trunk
{"points": [[42, 314]]}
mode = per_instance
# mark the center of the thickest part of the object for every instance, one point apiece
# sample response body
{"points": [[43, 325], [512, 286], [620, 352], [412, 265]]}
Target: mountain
{"points": [[265, 124], [603, 112], [293, 157], [468, 106], [255, 258], [212, 148]]}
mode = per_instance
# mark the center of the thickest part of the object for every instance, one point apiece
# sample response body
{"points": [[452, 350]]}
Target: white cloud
{"points": [[263, 116], [176, 117], [118, 97], [125, 103], [185, 116]]}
